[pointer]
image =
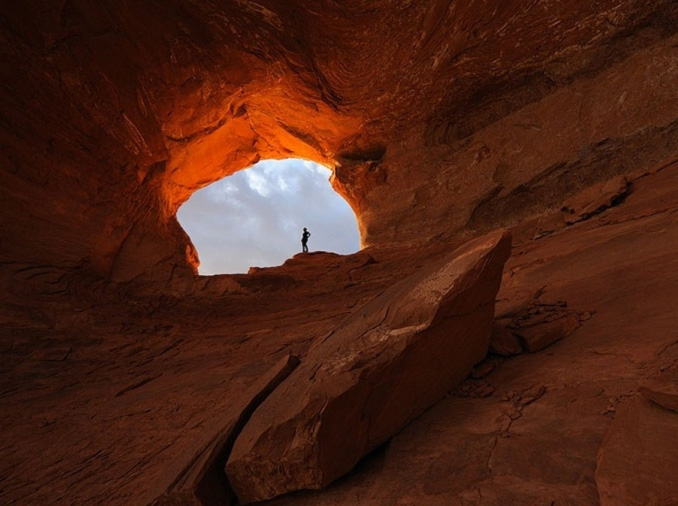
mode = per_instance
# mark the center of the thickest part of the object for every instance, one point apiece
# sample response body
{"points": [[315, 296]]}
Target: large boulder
{"points": [[383, 366]]}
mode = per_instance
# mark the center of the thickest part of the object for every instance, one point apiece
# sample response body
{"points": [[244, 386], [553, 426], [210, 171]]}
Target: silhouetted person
{"points": [[304, 240]]}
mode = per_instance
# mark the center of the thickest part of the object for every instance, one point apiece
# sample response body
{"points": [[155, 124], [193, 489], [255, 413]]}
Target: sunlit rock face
{"points": [[124, 373]]}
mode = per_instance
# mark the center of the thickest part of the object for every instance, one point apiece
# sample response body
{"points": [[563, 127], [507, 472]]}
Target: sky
{"points": [[255, 217]]}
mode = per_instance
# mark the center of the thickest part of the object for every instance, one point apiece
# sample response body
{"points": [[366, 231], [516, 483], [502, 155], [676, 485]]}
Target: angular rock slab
{"points": [[383, 366], [663, 389], [637, 462], [503, 342]]}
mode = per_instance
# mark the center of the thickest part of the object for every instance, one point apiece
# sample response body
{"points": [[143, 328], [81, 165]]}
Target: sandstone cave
{"points": [[505, 336]]}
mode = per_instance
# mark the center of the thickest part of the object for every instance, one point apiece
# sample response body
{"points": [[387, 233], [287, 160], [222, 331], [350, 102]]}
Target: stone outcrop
{"points": [[596, 199], [663, 388], [379, 369], [441, 120]]}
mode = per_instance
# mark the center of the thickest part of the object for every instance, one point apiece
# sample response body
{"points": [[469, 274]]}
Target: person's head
{"points": [[304, 229]]}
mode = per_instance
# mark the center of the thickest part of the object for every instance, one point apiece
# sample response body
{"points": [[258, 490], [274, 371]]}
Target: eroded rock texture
{"points": [[123, 372]]}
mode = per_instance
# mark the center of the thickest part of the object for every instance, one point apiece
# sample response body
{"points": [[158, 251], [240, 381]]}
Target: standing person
{"points": [[304, 240]]}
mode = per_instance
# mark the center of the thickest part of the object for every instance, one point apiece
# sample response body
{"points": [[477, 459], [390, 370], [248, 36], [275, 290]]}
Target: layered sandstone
{"points": [[122, 370]]}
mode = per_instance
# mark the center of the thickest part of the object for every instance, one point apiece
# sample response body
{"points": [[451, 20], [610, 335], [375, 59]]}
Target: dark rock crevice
{"points": [[203, 481]]}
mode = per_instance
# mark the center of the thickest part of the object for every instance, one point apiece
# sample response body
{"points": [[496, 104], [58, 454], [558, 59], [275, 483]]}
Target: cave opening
{"points": [[255, 217]]}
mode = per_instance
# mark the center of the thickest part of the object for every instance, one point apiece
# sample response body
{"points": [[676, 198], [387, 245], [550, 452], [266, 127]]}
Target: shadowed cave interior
{"points": [[505, 334]]}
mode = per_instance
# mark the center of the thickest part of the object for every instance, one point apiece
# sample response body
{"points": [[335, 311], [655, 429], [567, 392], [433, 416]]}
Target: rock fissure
{"points": [[202, 479]]}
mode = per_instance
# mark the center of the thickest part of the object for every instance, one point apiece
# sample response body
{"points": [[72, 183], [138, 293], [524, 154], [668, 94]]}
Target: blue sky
{"points": [[255, 217]]}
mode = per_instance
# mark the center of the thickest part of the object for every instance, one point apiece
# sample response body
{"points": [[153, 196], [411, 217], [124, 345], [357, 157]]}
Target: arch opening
{"points": [[255, 217]]}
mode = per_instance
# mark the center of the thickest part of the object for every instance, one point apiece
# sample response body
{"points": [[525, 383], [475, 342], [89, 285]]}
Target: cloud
{"points": [[255, 217]]}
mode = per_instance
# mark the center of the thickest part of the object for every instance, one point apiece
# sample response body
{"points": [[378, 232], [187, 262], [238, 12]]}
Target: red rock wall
{"points": [[622, 119]]}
